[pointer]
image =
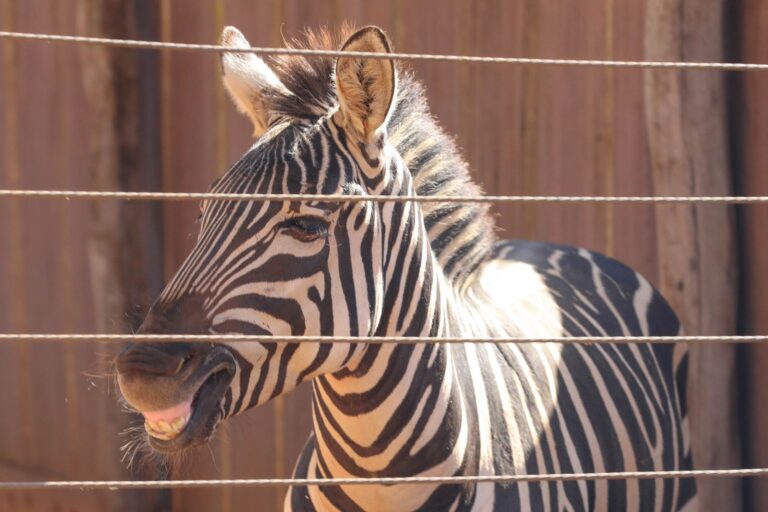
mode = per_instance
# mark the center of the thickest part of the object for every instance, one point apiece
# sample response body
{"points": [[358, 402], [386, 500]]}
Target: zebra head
{"points": [[277, 268]]}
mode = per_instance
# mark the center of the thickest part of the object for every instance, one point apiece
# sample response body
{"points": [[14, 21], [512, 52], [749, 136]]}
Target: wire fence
{"points": [[426, 480], [179, 196], [161, 45], [374, 340], [198, 196]]}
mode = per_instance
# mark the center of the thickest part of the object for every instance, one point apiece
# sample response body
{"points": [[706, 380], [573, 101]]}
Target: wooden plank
{"points": [[47, 500], [112, 102], [751, 123], [104, 255], [17, 358], [51, 431], [632, 168], [9, 223], [688, 145]]}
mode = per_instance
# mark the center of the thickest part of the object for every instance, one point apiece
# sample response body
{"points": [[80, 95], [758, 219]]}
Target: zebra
{"points": [[360, 268]]}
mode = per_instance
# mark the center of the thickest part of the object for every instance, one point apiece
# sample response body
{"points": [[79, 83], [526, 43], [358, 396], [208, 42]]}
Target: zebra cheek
{"points": [[250, 357]]}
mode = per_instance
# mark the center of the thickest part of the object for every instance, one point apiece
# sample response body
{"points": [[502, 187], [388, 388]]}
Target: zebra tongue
{"points": [[181, 410]]}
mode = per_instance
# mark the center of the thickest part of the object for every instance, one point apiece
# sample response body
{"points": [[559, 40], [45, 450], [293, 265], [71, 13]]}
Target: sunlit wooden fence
{"points": [[76, 117]]}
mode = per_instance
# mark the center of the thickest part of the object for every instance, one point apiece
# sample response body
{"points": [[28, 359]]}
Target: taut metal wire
{"points": [[159, 45], [499, 479], [197, 196], [380, 340], [84, 485]]}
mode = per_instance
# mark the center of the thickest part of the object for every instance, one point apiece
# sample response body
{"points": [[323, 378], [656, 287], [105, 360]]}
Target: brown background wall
{"points": [[91, 118], [750, 125]]}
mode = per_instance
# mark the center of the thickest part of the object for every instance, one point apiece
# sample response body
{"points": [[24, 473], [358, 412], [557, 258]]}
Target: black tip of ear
{"points": [[368, 39]]}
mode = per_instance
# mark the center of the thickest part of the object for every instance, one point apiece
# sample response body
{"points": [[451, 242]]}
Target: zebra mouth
{"points": [[193, 422]]}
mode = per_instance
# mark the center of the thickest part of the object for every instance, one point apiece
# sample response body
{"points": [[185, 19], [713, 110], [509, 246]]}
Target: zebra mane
{"points": [[461, 235]]}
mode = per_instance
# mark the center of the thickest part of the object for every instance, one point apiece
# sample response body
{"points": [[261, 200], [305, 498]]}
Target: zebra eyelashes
{"points": [[305, 228]]}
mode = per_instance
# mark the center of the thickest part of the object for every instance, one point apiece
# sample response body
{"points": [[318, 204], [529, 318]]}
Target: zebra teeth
{"points": [[166, 430], [179, 423]]}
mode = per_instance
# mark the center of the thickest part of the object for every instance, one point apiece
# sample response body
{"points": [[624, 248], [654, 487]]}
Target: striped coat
{"points": [[361, 127]]}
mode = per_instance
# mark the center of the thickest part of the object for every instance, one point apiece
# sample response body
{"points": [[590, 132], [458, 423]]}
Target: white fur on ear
{"points": [[246, 77]]}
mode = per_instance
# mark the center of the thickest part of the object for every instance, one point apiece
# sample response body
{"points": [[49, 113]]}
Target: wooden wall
{"points": [[79, 118], [66, 266], [750, 122]]}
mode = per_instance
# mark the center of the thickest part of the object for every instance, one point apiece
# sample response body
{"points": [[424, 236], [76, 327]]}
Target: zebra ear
{"points": [[366, 87], [248, 79]]}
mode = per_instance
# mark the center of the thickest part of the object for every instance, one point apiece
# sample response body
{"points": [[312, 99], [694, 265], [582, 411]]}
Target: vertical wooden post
{"points": [[14, 250], [687, 133], [751, 123], [123, 246]]}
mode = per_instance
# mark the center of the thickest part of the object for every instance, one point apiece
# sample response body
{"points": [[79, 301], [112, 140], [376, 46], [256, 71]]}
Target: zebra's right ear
{"points": [[366, 87], [248, 79]]}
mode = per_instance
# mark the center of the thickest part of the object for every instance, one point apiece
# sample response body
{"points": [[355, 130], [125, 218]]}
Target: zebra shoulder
{"points": [[595, 294]]}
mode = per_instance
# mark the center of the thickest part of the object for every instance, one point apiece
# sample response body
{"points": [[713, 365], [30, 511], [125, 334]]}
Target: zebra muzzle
{"points": [[183, 408]]}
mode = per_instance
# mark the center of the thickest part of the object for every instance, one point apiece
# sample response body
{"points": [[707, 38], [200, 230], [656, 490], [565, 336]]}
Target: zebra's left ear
{"points": [[366, 87], [248, 79]]}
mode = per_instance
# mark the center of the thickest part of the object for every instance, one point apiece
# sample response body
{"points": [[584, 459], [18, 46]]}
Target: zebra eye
{"points": [[305, 229]]}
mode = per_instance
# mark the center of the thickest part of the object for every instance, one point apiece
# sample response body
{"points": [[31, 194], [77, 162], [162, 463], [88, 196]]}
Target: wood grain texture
{"points": [[72, 125], [68, 501], [688, 144], [751, 122]]}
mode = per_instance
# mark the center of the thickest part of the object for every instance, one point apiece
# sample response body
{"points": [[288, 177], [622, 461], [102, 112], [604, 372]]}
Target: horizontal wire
{"points": [[272, 482], [112, 485], [157, 45], [196, 196], [377, 340]]}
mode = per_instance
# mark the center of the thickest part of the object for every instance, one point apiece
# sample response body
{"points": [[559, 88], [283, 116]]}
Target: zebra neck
{"points": [[420, 299], [396, 409], [394, 419], [461, 234], [407, 420]]}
